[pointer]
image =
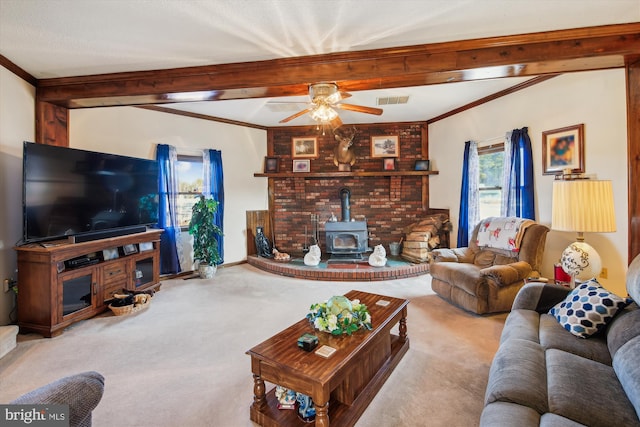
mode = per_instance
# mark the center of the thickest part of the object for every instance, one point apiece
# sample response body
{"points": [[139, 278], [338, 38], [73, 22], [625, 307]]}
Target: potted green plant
{"points": [[205, 236]]}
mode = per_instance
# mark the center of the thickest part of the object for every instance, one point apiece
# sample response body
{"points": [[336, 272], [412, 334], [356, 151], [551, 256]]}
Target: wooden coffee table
{"points": [[341, 386]]}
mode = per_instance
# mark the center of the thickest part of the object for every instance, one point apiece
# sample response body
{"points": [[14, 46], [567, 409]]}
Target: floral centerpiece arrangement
{"points": [[338, 315]]}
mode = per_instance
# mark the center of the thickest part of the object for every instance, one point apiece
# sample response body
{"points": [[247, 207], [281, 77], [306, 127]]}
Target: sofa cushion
{"points": [[626, 364], [464, 276], [521, 324], [502, 414], [553, 420], [540, 297], [484, 259], [624, 327], [587, 309], [633, 279], [586, 391], [518, 375], [552, 335]]}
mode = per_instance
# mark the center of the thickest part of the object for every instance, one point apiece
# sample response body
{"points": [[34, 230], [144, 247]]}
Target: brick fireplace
{"points": [[386, 203]]}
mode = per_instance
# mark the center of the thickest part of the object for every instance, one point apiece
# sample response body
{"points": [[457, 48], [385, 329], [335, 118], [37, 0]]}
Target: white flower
{"points": [[332, 322]]}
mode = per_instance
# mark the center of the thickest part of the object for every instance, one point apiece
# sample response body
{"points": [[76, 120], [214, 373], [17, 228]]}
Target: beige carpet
{"points": [[182, 362]]}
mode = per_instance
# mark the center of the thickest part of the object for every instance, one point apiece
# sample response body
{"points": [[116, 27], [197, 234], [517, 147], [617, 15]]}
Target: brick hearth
{"points": [[340, 272]]}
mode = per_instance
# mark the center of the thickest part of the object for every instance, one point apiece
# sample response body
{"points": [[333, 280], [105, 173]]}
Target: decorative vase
{"points": [[306, 410], [207, 271]]}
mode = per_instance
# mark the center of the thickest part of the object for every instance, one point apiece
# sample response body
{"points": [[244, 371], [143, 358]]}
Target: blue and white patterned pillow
{"points": [[587, 309]]}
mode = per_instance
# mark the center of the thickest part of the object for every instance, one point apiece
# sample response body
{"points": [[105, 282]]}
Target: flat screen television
{"points": [[72, 192]]}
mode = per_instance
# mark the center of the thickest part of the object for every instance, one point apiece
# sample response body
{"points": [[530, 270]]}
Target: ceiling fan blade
{"points": [[296, 115], [335, 123], [359, 109]]}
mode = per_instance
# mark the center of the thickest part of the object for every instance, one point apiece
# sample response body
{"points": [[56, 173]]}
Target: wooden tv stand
{"points": [[54, 292]]}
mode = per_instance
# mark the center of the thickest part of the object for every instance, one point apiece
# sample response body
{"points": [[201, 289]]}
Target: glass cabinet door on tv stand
{"points": [[143, 270], [78, 291]]}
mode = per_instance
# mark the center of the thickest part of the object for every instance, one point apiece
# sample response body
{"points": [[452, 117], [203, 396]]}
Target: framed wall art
{"points": [[385, 146], [563, 149], [301, 165], [389, 163], [422, 165], [270, 164], [304, 147]]}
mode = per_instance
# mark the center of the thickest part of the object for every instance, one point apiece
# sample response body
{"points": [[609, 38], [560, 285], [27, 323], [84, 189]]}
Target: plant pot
{"points": [[207, 271]]}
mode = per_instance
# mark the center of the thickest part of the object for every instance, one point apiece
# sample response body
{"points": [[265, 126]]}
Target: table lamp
{"points": [[582, 205]]}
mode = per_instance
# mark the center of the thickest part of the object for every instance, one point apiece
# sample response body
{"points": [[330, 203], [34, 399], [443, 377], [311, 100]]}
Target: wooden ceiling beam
{"points": [[509, 56]]}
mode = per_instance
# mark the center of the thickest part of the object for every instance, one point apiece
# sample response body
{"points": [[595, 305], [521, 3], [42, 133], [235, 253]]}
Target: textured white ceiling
{"points": [[59, 38]]}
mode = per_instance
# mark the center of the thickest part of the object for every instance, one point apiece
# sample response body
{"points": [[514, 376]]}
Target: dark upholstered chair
{"points": [[82, 392], [483, 279]]}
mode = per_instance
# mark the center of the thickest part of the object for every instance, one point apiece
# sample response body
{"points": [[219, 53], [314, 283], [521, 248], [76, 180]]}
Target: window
{"points": [[190, 186], [491, 161]]}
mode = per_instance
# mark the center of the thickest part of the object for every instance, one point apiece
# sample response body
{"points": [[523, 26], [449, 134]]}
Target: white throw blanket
{"points": [[502, 232]]}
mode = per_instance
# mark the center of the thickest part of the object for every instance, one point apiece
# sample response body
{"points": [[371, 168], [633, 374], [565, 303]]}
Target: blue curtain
{"points": [[214, 187], [167, 219], [463, 219], [518, 195]]}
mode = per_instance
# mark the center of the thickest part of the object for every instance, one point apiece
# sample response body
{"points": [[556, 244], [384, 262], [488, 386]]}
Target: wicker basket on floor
{"points": [[142, 301]]}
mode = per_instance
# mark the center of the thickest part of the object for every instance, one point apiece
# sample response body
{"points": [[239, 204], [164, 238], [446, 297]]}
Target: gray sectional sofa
{"points": [[544, 375]]}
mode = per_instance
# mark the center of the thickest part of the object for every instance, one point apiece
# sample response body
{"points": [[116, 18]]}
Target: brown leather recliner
{"points": [[486, 280]]}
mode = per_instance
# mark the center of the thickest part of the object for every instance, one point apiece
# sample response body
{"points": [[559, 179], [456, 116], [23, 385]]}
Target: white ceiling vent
{"points": [[392, 100]]}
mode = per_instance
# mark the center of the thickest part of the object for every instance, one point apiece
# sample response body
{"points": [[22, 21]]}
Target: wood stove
{"points": [[346, 239]]}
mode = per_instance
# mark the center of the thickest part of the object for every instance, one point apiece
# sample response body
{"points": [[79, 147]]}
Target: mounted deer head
{"points": [[342, 153]]}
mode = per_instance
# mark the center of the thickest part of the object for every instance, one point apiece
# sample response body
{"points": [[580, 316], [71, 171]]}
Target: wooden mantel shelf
{"points": [[342, 174]]}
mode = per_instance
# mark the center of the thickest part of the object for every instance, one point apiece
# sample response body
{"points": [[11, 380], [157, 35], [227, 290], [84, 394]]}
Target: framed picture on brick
{"points": [[385, 146], [389, 164], [301, 165], [304, 147], [271, 164]]}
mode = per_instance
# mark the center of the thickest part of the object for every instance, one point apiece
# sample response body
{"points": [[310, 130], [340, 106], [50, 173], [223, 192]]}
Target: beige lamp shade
{"points": [[583, 205]]}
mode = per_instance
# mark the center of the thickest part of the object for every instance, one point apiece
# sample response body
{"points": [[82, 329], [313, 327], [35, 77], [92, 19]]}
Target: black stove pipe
{"points": [[345, 203]]}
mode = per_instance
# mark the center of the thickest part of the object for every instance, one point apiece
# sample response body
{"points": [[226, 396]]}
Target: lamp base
{"points": [[581, 261]]}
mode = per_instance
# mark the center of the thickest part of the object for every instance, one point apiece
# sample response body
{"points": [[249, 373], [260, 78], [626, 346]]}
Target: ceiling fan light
{"points": [[323, 113]]}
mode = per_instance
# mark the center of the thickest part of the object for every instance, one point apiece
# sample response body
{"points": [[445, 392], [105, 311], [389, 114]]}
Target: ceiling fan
{"points": [[325, 99]]}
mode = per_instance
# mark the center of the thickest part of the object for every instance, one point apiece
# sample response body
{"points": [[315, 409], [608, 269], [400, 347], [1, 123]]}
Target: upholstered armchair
{"points": [[484, 279]]}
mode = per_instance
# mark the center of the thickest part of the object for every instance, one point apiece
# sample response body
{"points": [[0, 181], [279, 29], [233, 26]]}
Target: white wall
{"points": [[135, 132], [595, 98], [17, 124]]}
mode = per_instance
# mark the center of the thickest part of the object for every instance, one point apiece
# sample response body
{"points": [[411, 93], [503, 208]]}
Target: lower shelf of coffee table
{"points": [[340, 415]]}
